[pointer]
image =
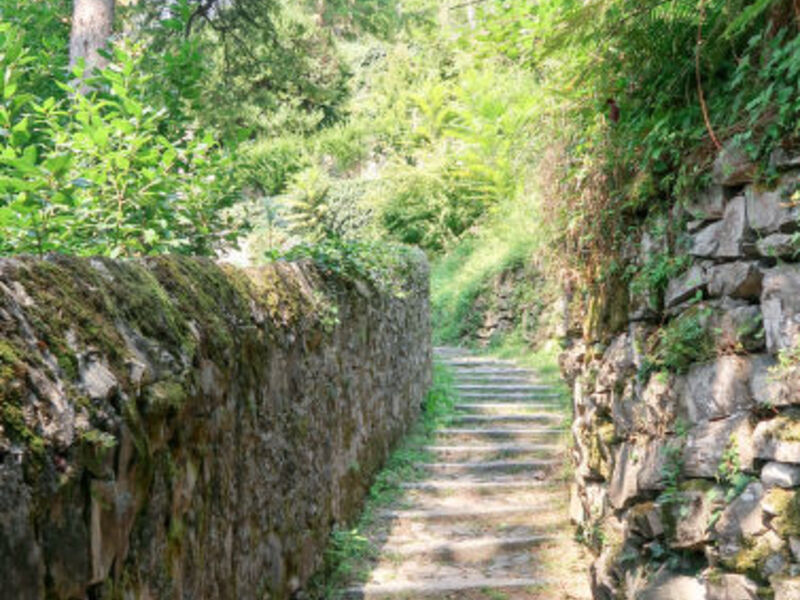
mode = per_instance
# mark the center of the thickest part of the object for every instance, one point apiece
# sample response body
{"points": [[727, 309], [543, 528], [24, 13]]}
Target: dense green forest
{"points": [[496, 135]]}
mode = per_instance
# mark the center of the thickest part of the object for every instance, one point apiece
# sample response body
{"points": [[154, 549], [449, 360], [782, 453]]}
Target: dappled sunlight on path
{"points": [[489, 521]]}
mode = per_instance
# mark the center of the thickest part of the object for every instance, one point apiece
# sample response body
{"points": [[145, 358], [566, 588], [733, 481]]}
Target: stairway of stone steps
{"points": [[489, 520]]}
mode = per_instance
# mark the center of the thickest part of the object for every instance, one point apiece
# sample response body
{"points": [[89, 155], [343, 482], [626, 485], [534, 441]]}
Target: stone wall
{"points": [[170, 428], [687, 403]]}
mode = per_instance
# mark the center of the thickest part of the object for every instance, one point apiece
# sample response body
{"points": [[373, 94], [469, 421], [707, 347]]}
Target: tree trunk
{"points": [[92, 22]]}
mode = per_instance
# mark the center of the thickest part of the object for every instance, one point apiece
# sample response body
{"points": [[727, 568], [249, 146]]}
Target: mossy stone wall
{"points": [[172, 428]]}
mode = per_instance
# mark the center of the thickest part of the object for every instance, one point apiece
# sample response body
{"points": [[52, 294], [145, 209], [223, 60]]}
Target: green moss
{"points": [[787, 507], [165, 396], [751, 557]]}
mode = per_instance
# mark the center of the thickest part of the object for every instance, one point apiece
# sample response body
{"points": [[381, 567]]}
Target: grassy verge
{"points": [[351, 551]]}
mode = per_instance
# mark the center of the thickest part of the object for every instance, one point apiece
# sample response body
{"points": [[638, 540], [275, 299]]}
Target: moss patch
{"points": [[787, 506]]}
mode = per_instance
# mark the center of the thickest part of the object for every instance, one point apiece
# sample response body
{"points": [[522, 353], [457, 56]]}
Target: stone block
{"points": [[777, 439], [780, 305], [670, 586], [733, 167], [739, 330], [690, 514], [740, 280], [741, 520], [724, 239], [637, 467], [785, 246], [687, 286], [718, 389], [731, 586], [771, 211], [786, 588], [775, 474], [708, 441], [708, 205]]}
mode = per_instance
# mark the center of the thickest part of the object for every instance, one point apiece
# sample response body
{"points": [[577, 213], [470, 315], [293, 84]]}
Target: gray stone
{"points": [[97, 380], [786, 588], [770, 444], [733, 166], [21, 555], [718, 389], [740, 520], [707, 442], [739, 330], [691, 514], [773, 565], [637, 467], [741, 280], [646, 520], [725, 238], [794, 546], [770, 211], [783, 160], [780, 475], [780, 304], [773, 387], [617, 364], [779, 245], [730, 586], [669, 586], [708, 205], [687, 286]]}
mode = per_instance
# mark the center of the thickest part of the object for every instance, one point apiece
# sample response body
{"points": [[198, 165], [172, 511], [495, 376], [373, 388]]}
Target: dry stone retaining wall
{"points": [[688, 473], [173, 429]]}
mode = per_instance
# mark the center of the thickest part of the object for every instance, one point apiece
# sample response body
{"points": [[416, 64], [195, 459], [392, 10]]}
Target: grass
{"points": [[350, 552], [460, 277]]}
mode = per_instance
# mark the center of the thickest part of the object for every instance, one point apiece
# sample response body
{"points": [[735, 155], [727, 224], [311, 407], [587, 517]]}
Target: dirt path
{"points": [[489, 522]]}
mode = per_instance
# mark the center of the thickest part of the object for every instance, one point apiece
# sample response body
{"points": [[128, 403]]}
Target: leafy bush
{"points": [[106, 172]]}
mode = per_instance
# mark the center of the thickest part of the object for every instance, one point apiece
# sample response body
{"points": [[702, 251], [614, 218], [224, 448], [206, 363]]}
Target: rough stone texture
{"points": [[780, 304], [770, 211], [717, 390], [687, 286], [740, 520], [731, 587], [777, 440], [724, 239], [785, 246], [704, 459], [780, 475], [786, 588], [174, 429], [733, 166], [708, 205], [708, 441], [738, 280]]}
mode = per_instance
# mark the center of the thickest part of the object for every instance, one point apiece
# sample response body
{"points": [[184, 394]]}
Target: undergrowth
{"points": [[351, 552]]}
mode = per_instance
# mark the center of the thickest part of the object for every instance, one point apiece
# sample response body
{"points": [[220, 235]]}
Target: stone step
{"points": [[480, 452], [470, 551], [464, 514], [481, 435], [479, 361], [481, 387], [488, 368], [508, 408], [479, 485], [454, 529], [505, 396], [485, 498], [446, 588], [493, 380], [513, 466], [492, 449], [540, 417]]}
